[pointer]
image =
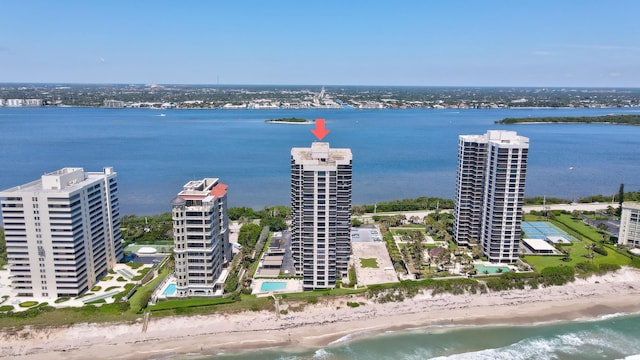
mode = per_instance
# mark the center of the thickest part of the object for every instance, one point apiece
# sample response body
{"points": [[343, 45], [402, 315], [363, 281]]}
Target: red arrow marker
{"points": [[320, 132]]}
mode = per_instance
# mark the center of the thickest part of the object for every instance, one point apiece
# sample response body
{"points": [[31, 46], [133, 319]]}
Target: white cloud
{"points": [[540, 53]]}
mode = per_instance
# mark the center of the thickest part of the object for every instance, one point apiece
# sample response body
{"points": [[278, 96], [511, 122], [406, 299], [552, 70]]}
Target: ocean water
{"points": [[610, 337], [396, 153]]}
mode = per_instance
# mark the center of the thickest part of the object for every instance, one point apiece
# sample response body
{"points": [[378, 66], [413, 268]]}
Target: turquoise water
{"points": [[396, 153], [614, 337], [273, 286], [170, 290], [490, 269]]}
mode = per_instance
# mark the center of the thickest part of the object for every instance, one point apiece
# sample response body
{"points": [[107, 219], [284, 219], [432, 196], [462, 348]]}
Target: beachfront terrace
{"points": [[120, 280]]}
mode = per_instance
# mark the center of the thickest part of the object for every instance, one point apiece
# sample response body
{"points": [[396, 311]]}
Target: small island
{"points": [[606, 119], [291, 120]]}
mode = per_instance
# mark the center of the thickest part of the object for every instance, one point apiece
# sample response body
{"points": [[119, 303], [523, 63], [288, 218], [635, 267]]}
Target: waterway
{"points": [[396, 153]]}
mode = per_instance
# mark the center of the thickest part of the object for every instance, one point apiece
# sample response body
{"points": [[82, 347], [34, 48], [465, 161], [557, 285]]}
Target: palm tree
{"points": [[567, 251], [590, 253]]}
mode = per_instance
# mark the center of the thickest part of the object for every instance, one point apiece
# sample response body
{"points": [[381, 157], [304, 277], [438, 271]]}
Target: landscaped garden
{"points": [[590, 247]]}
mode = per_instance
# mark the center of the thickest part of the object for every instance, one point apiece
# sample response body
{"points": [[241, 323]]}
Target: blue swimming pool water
{"points": [[273, 285], [490, 269], [170, 290]]}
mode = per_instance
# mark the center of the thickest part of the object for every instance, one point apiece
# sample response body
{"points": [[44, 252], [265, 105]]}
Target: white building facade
{"points": [[630, 225], [490, 193], [321, 181], [14, 102], [201, 238], [62, 232], [472, 159]]}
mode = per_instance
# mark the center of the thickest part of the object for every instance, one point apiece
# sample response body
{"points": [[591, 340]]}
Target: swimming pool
{"points": [[273, 286], [483, 269], [170, 290]]}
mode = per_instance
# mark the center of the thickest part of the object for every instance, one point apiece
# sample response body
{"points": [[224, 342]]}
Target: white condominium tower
{"points": [[490, 192], [320, 213], [630, 225], [201, 237], [62, 232], [472, 160]]}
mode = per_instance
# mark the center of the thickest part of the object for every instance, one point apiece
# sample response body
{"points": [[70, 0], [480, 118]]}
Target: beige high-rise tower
{"points": [[200, 237], [321, 213]]}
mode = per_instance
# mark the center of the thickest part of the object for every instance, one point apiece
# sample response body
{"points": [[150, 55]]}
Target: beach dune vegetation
{"points": [[606, 119]]}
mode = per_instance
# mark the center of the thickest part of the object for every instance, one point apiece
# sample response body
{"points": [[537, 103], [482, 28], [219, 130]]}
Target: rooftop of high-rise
{"points": [[321, 153], [505, 137], [631, 205], [67, 179], [205, 189]]}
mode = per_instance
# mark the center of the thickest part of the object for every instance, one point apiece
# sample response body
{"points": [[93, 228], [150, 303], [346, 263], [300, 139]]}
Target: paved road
{"points": [[528, 208]]}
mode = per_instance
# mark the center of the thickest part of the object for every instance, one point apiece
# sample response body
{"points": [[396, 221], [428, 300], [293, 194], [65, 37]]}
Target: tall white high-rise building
{"points": [[62, 232], [201, 237], [490, 192], [629, 233], [472, 159], [320, 213]]}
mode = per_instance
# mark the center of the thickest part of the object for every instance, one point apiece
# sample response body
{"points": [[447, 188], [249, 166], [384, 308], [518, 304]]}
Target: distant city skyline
{"points": [[453, 43]]}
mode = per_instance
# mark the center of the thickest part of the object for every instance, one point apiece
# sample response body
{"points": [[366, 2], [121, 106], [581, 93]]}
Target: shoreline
{"points": [[567, 122], [329, 322]]}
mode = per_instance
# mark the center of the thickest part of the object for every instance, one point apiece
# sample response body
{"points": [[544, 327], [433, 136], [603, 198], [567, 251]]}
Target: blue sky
{"points": [[426, 43]]}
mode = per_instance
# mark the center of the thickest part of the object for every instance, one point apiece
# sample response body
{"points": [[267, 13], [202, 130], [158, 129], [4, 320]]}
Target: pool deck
{"points": [[159, 294], [487, 264], [293, 285]]}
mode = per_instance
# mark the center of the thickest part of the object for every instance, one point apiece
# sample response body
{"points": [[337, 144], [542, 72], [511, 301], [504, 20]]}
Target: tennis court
{"points": [[543, 229]]}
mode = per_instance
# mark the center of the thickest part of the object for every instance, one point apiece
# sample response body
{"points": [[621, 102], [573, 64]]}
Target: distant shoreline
{"points": [[622, 119], [569, 122], [290, 121], [302, 108]]}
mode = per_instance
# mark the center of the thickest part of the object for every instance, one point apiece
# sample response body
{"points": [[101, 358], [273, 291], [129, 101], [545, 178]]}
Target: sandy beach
{"points": [[325, 323]]}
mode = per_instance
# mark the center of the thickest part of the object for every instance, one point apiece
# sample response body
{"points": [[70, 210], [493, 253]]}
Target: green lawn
{"points": [[587, 235], [194, 302], [529, 217], [136, 299], [410, 226], [369, 263]]}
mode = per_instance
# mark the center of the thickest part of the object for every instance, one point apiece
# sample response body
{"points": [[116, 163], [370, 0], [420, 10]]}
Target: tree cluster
{"points": [[610, 119], [146, 229], [249, 234], [421, 203]]}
